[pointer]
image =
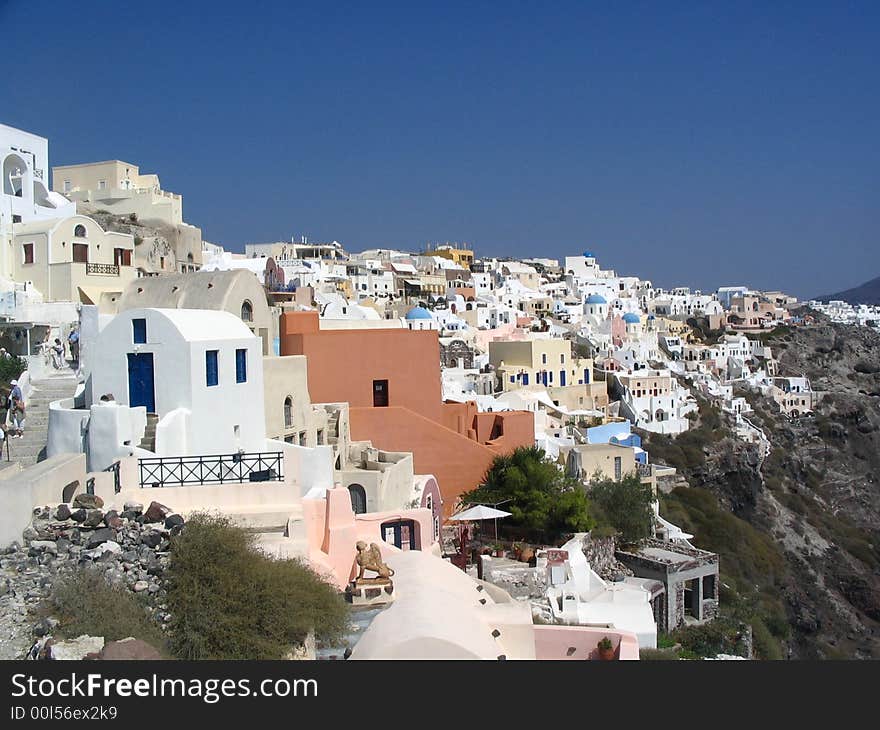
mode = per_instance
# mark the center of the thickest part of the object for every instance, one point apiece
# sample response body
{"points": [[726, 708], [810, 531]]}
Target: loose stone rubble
{"points": [[130, 547]]}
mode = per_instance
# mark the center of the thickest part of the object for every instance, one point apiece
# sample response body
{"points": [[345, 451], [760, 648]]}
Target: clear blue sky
{"points": [[700, 144]]}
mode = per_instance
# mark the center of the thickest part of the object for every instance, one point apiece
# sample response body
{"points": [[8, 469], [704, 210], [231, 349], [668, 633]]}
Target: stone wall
{"points": [[600, 555]]}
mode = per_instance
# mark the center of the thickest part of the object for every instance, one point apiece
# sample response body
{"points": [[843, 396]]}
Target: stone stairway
{"points": [[148, 441], [31, 447]]}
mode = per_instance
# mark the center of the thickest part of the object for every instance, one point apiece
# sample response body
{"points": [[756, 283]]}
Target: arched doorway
{"points": [[16, 176], [358, 498], [288, 412], [403, 534]]}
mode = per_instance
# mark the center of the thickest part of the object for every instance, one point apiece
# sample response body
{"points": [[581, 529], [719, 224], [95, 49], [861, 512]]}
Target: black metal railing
{"points": [[103, 269], [114, 469], [180, 471]]}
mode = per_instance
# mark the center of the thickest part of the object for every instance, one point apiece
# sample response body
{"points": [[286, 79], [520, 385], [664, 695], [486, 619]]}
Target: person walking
{"points": [[73, 342], [58, 354], [17, 409]]}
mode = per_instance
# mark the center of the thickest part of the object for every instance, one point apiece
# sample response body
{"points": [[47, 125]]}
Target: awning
{"points": [[480, 512], [412, 282]]}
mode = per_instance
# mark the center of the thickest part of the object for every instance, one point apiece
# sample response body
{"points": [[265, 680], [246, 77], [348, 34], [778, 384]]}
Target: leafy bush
{"points": [[625, 505], [84, 603], [722, 636], [11, 368], [230, 601]]}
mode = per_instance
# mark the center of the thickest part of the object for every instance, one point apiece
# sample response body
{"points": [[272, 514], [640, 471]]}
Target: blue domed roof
{"points": [[596, 299], [631, 318], [589, 255], [418, 313]]}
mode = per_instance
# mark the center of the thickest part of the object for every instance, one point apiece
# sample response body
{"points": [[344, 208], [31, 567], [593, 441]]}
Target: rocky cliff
{"points": [[798, 529]]}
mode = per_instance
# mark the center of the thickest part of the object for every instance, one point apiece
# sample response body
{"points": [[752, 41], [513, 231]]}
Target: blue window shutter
{"points": [[139, 331], [241, 366], [211, 373]]}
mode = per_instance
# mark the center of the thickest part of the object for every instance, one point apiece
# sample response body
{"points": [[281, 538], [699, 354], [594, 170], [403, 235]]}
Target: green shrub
{"points": [[625, 505], [766, 646], [649, 655], [722, 636], [602, 531], [230, 601], [11, 368], [84, 603]]}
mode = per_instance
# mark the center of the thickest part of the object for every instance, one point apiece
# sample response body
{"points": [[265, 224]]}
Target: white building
{"points": [[578, 595], [25, 196], [653, 400], [199, 371]]}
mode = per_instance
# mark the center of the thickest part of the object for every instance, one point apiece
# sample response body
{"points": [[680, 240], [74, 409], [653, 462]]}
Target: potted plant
{"points": [[499, 550], [606, 649]]}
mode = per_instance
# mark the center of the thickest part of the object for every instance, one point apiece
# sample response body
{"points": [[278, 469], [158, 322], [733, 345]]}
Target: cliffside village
{"points": [[324, 397]]}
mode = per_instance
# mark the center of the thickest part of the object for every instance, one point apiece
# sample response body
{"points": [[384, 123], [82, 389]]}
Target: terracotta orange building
{"points": [[391, 379]]}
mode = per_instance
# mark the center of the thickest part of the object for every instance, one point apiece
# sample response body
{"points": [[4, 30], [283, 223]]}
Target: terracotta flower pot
{"points": [[606, 655]]}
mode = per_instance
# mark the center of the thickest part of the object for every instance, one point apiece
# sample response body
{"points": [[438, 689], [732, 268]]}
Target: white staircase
{"points": [[31, 447]]}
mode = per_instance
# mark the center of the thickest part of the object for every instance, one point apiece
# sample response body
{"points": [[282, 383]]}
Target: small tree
{"points": [[625, 505], [538, 495]]}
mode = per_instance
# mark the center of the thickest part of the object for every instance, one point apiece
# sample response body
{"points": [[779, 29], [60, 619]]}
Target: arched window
{"points": [[247, 311], [358, 498], [288, 412], [79, 231]]}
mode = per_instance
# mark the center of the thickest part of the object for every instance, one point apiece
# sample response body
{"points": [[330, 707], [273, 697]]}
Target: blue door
{"points": [[401, 534], [562, 377], [140, 381]]}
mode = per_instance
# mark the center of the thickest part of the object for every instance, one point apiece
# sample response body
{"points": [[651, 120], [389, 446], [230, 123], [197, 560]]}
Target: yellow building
{"points": [[464, 257], [605, 461], [548, 362], [119, 187]]}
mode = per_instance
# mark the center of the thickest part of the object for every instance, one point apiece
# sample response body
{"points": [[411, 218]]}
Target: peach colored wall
{"points": [[333, 530], [515, 428], [504, 332], [344, 363], [457, 462], [501, 432], [618, 329], [298, 323], [553, 642]]}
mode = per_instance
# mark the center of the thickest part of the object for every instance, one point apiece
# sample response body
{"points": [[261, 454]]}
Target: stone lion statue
{"points": [[370, 558]]}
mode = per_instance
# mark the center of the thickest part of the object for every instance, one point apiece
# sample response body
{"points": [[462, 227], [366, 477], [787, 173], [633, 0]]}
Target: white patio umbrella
{"points": [[481, 512]]}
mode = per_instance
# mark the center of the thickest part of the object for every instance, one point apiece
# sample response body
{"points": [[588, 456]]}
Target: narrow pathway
{"points": [[31, 447]]}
